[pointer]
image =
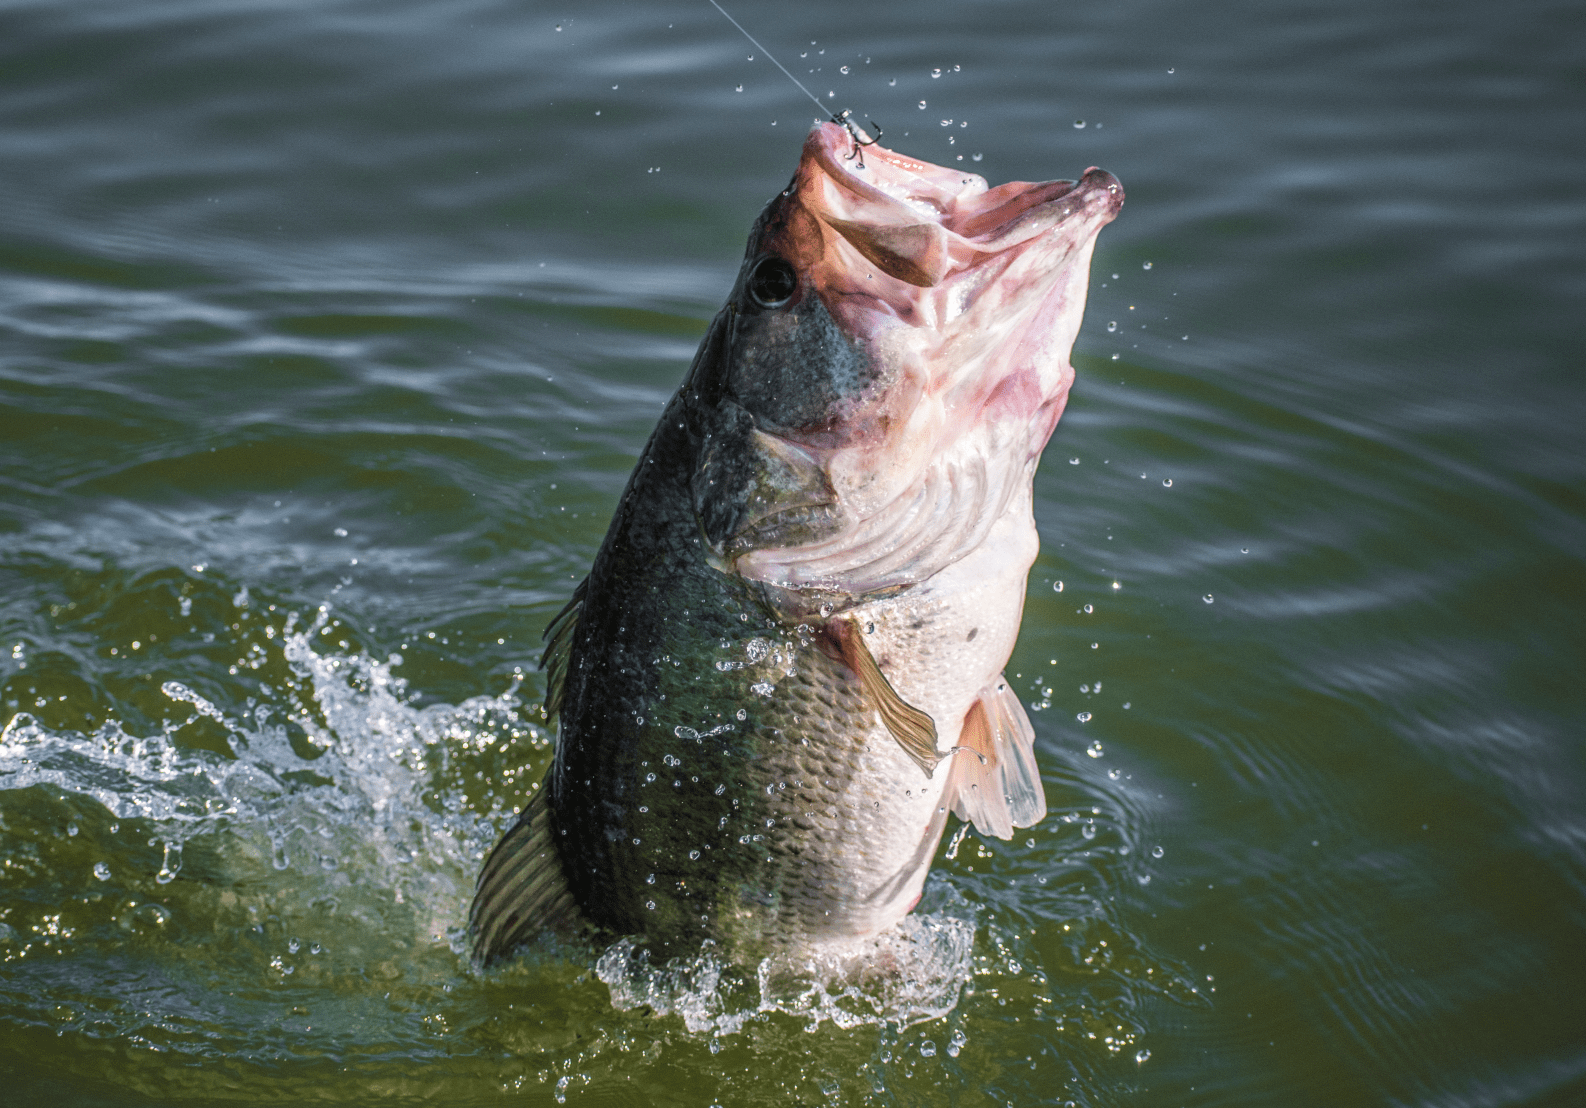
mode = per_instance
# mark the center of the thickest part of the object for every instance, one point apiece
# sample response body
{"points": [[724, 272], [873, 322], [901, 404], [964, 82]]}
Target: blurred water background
{"points": [[329, 333]]}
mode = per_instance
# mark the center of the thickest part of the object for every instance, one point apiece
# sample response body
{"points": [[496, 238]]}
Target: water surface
{"points": [[328, 335]]}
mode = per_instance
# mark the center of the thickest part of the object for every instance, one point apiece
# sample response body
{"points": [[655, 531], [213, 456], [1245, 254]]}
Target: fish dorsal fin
{"points": [[913, 729], [558, 645], [995, 783], [522, 889]]}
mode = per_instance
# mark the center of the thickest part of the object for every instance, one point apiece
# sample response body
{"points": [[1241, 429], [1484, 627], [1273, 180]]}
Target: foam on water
{"points": [[910, 973]]}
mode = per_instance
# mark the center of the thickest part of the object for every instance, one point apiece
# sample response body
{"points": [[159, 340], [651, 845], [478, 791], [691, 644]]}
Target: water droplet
{"points": [[1082, 688], [922, 105], [101, 871], [171, 865], [977, 157], [843, 70], [935, 73], [693, 855], [1057, 586], [742, 714], [1073, 461], [1167, 482], [1126, 705], [1207, 598], [1157, 852], [1084, 717], [1094, 749], [650, 880], [738, 89], [71, 830], [1089, 609], [650, 904], [1089, 829], [1079, 124], [927, 1049], [1145, 265], [947, 123], [1244, 550], [1112, 325], [1142, 1055], [827, 609]]}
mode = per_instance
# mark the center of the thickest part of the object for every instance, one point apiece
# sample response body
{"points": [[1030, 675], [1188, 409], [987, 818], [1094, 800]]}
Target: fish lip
{"points": [[880, 188]]}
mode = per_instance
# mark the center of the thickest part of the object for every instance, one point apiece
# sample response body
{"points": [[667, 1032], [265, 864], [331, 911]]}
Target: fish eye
{"points": [[772, 282]]}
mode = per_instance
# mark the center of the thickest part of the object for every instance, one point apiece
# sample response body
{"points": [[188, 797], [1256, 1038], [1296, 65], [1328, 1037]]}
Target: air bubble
{"points": [[1079, 124], [1057, 586], [1207, 598], [1167, 482], [1112, 325], [1094, 749], [101, 871], [1089, 609], [1145, 265], [1084, 717], [1157, 852], [1089, 829]]}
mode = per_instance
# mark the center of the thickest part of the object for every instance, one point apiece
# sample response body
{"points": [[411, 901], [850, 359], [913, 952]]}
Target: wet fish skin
{"points": [[784, 667]]}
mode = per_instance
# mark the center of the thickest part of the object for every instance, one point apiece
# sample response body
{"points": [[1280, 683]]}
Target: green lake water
{"points": [[330, 331]]}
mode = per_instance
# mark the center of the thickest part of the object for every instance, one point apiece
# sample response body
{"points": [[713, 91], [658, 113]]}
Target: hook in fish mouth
{"points": [[857, 133]]}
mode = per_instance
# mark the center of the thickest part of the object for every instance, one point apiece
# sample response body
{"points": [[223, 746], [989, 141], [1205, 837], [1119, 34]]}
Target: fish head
{"points": [[893, 357]]}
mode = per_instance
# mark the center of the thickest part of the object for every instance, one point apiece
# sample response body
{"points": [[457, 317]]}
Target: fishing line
{"points": [[841, 119], [776, 63]]}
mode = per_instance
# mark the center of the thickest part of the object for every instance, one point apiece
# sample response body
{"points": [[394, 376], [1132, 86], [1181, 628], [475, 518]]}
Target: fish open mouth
{"points": [[921, 223]]}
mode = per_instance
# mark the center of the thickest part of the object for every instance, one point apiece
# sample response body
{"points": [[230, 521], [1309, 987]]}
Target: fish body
{"points": [[784, 669]]}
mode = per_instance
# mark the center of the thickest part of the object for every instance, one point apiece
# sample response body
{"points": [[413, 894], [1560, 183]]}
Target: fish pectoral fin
{"points": [[995, 782], [558, 645], [914, 730], [522, 889]]}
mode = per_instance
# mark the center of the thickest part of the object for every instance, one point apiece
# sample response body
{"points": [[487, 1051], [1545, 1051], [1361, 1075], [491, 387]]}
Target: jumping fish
{"points": [[784, 669]]}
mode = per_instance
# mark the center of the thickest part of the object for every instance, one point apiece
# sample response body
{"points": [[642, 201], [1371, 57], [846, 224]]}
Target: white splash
{"points": [[914, 972], [370, 810]]}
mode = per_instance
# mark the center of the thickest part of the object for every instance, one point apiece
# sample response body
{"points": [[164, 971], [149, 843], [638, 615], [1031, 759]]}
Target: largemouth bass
{"points": [[784, 669]]}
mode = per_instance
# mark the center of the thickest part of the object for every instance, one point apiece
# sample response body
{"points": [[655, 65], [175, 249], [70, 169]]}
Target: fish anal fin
{"points": [[995, 782], [522, 889], [913, 729]]}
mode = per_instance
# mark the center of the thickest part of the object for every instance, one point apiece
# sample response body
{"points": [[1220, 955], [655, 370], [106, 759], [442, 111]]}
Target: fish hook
{"points": [[859, 137]]}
